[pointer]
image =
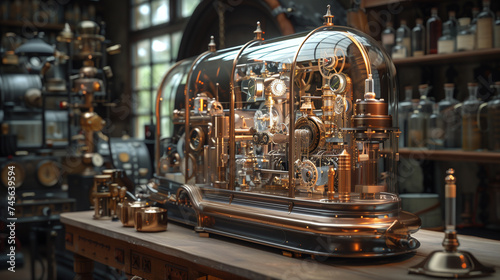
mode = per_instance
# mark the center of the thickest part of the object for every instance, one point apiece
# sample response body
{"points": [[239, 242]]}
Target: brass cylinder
{"points": [[344, 175], [331, 183]]}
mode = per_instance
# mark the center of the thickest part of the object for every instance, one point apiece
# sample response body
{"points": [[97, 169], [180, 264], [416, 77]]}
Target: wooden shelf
{"points": [[377, 3], [37, 26], [450, 155], [458, 57]]}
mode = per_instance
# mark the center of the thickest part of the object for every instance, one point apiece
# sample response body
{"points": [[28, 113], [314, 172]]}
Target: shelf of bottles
{"points": [[471, 125], [457, 57], [452, 37], [450, 155]]}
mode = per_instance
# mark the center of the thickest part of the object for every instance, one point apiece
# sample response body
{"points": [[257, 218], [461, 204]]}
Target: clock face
{"points": [[48, 173], [13, 172], [97, 160]]}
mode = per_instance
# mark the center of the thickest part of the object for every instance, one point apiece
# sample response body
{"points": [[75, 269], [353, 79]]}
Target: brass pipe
{"points": [[331, 183], [344, 174]]}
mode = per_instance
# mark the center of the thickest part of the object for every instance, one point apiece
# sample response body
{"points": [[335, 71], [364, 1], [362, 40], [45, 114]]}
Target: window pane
{"points": [[141, 16], [141, 52], [161, 12], [188, 7], [161, 48], [140, 122], [176, 42], [142, 77], [143, 102], [159, 70]]}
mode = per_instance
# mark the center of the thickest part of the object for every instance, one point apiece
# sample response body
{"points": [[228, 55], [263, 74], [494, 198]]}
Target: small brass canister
{"points": [[128, 210], [151, 219]]}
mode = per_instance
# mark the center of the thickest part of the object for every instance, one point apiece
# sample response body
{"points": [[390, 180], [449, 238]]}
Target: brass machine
{"points": [[289, 142]]}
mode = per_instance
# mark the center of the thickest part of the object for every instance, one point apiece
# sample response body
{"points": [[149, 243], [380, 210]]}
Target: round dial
{"points": [[254, 88], [97, 160], [309, 173], [337, 83], [48, 173], [17, 174], [196, 139], [278, 88], [265, 118]]}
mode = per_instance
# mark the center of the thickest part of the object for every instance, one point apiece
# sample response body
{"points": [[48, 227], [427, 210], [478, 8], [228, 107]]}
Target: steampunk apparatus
{"points": [[289, 142]]}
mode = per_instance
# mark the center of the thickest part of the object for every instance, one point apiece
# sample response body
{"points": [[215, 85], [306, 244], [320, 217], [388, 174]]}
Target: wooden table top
{"points": [[254, 261]]}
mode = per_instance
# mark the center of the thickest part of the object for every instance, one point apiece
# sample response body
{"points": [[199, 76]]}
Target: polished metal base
{"points": [[459, 264]]}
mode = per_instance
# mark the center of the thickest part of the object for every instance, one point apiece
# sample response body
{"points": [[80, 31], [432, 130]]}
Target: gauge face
{"points": [[17, 175], [278, 88], [48, 173], [337, 83], [254, 88], [196, 139], [309, 173], [97, 160]]}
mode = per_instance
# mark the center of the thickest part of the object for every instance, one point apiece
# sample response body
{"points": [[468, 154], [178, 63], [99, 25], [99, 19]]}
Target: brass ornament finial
{"points": [[328, 17], [258, 32], [212, 45], [450, 178]]}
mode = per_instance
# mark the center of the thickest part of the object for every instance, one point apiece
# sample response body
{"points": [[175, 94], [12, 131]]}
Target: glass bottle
{"points": [[496, 29], [471, 134], [399, 50], [465, 36], [493, 118], [433, 28], [484, 29], [452, 23], [450, 118], [418, 38], [404, 33], [388, 37], [405, 108], [416, 129], [426, 107], [435, 130], [446, 43]]}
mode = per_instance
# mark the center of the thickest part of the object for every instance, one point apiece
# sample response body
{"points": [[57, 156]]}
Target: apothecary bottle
{"points": [[433, 28], [493, 119], [435, 131], [399, 50], [404, 33], [405, 109], [471, 133], [484, 29], [426, 107], [388, 37], [449, 112], [446, 43], [418, 38], [465, 36], [496, 30], [416, 128]]}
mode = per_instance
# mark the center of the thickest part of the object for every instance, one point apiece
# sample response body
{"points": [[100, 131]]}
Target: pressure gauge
{"points": [[278, 88], [97, 160], [309, 173], [196, 139], [338, 83], [17, 174], [254, 88], [48, 173]]}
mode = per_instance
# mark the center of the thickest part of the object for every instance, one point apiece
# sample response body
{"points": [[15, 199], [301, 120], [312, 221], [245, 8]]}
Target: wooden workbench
{"points": [[180, 253]]}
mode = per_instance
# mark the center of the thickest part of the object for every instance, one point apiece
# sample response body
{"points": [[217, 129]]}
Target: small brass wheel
{"points": [[196, 139]]}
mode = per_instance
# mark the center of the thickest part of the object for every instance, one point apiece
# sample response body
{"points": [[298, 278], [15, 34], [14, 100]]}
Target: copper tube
{"points": [[344, 174], [331, 183]]}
